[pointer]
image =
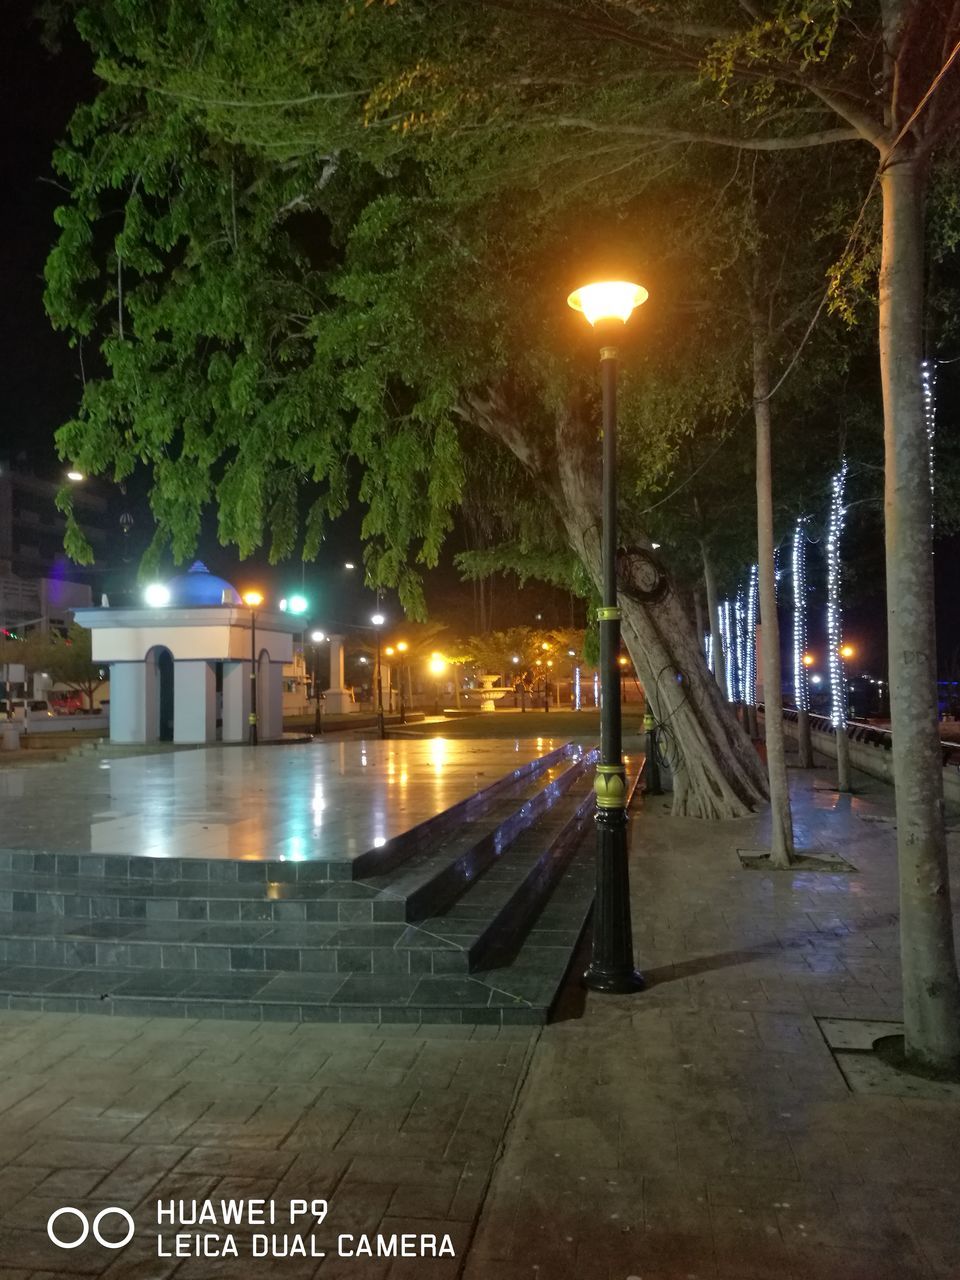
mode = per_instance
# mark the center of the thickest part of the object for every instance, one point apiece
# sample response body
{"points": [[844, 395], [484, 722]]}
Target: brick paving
{"points": [[394, 1126], [702, 1130], [698, 1131]]}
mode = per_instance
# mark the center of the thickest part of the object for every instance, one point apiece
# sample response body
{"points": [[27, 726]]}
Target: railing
{"points": [[870, 735]]}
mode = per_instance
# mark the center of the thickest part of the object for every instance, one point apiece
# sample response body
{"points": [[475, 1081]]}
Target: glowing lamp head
{"points": [[378, 619], [402, 646], [847, 651], [157, 595], [608, 300], [437, 665], [298, 604], [808, 659], [348, 564], [317, 636], [75, 476], [514, 659], [252, 599], [622, 661], [389, 651]]}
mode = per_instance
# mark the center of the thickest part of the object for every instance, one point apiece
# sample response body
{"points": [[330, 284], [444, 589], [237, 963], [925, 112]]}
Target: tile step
{"points": [[430, 882]]}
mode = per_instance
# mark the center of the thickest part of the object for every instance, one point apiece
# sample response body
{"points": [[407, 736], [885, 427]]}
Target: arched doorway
{"points": [[161, 659]]}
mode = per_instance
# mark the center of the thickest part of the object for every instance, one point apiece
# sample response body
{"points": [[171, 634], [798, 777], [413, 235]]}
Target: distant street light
{"points": [[847, 651], [608, 305], [808, 659], [156, 595], [75, 476], [253, 600]]}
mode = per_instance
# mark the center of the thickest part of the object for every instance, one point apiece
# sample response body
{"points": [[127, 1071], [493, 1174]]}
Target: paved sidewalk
{"points": [[398, 1128], [698, 1131], [702, 1130]]}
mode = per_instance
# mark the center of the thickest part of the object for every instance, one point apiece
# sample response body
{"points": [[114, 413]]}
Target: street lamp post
{"points": [[609, 305], [437, 668], [378, 620], [402, 647], [318, 638], [253, 600]]}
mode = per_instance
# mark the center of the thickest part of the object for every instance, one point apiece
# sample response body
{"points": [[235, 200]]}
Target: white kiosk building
{"points": [[180, 671]]}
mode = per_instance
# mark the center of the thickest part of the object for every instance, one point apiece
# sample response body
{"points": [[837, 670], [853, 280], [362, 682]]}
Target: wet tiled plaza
{"points": [[296, 802]]}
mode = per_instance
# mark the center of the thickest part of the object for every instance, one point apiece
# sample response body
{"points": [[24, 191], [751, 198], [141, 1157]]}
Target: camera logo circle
{"points": [[85, 1228]]}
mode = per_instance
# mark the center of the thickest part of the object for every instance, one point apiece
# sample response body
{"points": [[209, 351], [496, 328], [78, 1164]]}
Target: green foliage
{"points": [[305, 236]]}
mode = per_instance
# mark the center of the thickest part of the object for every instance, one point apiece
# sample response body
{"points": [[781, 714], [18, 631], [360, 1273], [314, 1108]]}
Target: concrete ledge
{"points": [[873, 759]]}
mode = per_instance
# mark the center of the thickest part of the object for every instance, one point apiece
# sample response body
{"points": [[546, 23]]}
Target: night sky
{"points": [[41, 388]]}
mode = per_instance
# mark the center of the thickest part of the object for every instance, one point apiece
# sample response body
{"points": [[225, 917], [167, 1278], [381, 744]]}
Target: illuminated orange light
{"points": [[253, 599], [608, 300]]}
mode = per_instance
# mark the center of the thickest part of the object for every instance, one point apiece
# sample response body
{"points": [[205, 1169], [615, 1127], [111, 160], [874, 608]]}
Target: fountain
{"points": [[489, 694]]}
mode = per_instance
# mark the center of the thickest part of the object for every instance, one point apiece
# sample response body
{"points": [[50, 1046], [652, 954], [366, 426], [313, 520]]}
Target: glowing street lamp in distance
{"points": [[437, 665], [378, 619], [608, 300], [348, 564], [75, 476], [296, 604], [402, 646], [156, 595], [252, 599], [847, 651], [808, 659], [318, 636]]}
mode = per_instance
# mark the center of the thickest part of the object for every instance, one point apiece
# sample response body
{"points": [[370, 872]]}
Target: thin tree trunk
{"points": [[698, 618], [931, 990], [781, 821], [802, 688], [843, 760], [713, 609], [804, 740]]}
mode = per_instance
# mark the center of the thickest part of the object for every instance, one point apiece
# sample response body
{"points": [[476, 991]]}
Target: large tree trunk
{"points": [[781, 821], [713, 609], [717, 773], [931, 991]]}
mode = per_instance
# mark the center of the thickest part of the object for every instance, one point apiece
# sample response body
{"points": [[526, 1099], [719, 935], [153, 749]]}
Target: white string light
{"points": [[801, 690], [709, 650], [739, 617], [750, 649], [838, 693], [726, 640], [928, 381], [576, 688]]}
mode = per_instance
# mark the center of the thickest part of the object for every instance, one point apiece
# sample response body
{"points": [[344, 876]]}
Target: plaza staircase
{"points": [[471, 916]]}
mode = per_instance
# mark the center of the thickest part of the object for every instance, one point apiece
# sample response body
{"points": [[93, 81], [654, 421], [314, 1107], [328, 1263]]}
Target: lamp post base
{"points": [[611, 967], [625, 983]]}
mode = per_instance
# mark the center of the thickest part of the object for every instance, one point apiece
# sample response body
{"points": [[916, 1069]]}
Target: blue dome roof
{"points": [[198, 586]]}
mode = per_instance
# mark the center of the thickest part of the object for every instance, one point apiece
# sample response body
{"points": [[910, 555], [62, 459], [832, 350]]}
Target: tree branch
{"points": [[823, 137]]}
